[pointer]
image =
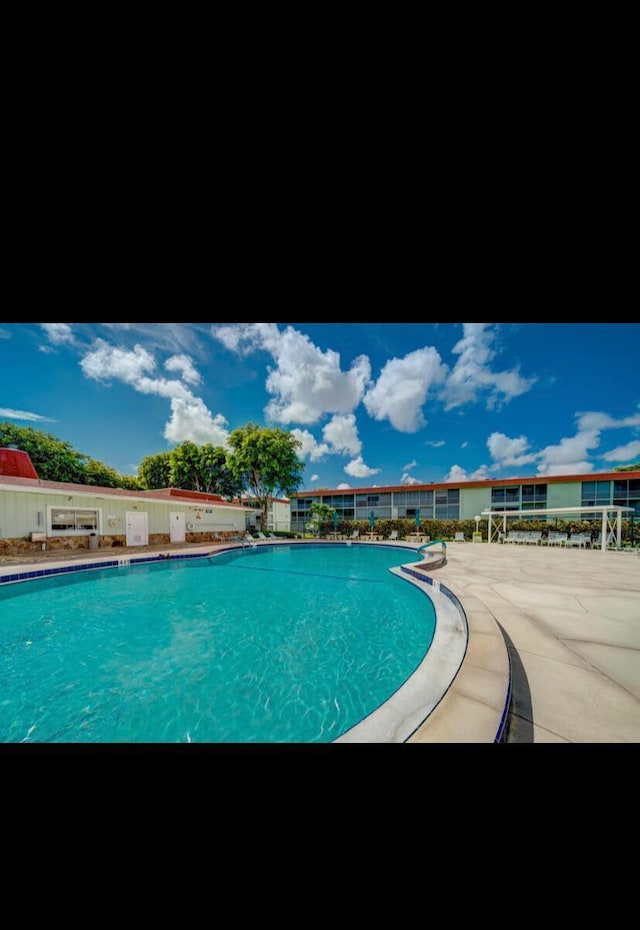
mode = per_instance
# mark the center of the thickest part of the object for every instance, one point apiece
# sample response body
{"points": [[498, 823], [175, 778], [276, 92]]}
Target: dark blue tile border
{"points": [[16, 577]]}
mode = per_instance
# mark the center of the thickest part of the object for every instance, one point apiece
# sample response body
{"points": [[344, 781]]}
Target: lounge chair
{"points": [[557, 539], [355, 534], [393, 534], [459, 537], [581, 540], [260, 535]]}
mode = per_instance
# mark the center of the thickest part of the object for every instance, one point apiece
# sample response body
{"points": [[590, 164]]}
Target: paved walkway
{"points": [[571, 623]]}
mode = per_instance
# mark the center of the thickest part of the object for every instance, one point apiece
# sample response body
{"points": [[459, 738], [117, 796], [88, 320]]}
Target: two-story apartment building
{"points": [[467, 499]]}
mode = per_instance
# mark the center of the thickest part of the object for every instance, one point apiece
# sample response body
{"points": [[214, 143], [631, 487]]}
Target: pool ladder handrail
{"points": [[433, 543]]}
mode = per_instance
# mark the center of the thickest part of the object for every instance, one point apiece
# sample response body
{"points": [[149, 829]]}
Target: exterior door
{"points": [[137, 529], [177, 528]]}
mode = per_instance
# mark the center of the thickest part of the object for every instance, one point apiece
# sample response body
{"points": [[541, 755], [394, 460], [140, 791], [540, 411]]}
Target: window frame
{"points": [[56, 527]]}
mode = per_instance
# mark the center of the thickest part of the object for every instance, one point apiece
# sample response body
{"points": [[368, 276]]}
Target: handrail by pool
{"points": [[432, 543]]}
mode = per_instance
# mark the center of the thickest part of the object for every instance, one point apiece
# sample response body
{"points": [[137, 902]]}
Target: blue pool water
{"points": [[269, 644]]}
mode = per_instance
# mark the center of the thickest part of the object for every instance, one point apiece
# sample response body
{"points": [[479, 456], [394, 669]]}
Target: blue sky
{"points": [[373, 403]]}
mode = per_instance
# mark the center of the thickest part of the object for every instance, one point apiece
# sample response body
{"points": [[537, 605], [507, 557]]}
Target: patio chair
{"points": [[260, 535], [355, 534], [459, 537], [393, 534]]}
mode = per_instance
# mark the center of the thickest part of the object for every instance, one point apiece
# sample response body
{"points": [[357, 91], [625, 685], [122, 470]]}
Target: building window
{"points": [[519, 497], [447, 504], [69, 520], [596, 493]]}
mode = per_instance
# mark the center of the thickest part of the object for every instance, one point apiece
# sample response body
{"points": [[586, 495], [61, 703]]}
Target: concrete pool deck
{"points": [[560, 628], [570, 620]]}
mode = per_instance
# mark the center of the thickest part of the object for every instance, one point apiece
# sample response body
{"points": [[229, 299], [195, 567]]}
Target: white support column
{"points": [[605, 530], [619, 530]]}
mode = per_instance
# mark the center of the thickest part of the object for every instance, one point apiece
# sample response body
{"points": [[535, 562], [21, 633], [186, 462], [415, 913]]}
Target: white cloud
{"points": [[175, 338], [626, 453], [509, 452], [306, 383], [435, 443], [458, 475], [190, 420], [341, 434], [310, 449], [314, 478], [10, 414], [246, 338], [344, 487], [472, 374], [602, 421], [408, 480], [106, 363], [480, 474], [4, 333], [570, 455], [185, 367], [358, 469], [58, 333], [410, 465], [572, 468], [401, 390]]}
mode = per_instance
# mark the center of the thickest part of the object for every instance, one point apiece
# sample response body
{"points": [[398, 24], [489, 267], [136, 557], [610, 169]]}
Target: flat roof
{"points": [[483, 483]]}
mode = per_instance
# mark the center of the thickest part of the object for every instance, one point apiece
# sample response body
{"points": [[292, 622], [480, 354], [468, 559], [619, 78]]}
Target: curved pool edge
{"points": [[404, 713], [474, 707]]}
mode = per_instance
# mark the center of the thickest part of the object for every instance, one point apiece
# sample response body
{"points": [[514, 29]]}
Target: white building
{"points": [[37, 514]]}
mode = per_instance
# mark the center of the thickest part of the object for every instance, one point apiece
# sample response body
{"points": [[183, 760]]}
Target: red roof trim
{"points": [[162, 495]]}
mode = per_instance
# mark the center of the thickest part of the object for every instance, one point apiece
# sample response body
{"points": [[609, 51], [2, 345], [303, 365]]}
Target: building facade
{"points": [[278, 515], [464, 501], [40, 514]]}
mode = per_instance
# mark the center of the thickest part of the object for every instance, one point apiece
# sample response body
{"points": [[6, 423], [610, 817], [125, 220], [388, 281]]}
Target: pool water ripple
{"points": [[316, 639]]}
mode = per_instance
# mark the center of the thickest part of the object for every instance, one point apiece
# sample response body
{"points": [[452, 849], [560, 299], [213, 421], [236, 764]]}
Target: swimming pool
{"points": [[283, 643]]}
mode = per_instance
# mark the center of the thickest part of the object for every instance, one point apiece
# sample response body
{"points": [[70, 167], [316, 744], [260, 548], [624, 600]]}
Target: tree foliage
{"points": [[320, 515], [154, 471], [265, 463], [102, 476], [215, 473], [202, 468], [185, 467], [52, 458], [57, 460]]}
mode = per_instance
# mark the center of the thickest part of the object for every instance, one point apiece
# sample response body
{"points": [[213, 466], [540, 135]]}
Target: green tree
{"points": [[265, 462], [635, 467], [53, 459], [100, 475], [186, 466], [319, 514], [154, 471], [130, 483], [215, 474]]}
